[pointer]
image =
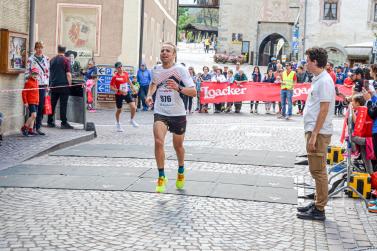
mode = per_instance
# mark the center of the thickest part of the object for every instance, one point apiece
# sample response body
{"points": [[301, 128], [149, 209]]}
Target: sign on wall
{"points": [[105, 74]]}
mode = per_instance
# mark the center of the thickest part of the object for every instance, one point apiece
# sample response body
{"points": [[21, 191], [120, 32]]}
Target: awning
{"points": [[362, 50]]}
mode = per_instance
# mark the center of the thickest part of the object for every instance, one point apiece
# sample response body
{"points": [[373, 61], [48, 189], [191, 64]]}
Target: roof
{"points": [[360, 45], [200, 27]]}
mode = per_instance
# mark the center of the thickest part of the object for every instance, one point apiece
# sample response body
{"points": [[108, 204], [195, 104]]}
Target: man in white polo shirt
{"points": [[318, 115]]}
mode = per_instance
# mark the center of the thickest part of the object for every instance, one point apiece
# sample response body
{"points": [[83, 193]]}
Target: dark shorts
{"points": [[33, 108], [119, 100], [176, 124]]}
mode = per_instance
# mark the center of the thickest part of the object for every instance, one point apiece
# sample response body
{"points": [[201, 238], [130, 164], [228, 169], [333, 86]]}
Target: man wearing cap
{"points": [[120, 83], [272, 65], [144, 79]]}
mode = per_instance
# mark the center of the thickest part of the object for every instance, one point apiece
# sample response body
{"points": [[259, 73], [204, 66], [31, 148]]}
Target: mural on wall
{"points": [[79, 27], [269, 10]]}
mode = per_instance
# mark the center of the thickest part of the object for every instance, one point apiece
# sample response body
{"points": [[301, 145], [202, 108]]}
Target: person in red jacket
{"points": [[30, 97]]}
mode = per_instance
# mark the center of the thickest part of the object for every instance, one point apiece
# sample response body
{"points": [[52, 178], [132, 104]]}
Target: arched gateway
{"points": [[274, 45]]}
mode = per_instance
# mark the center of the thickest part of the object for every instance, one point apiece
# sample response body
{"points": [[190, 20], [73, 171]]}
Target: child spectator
{"points": [[362, 128], [89, 85], [137, 88], [30, 97]]}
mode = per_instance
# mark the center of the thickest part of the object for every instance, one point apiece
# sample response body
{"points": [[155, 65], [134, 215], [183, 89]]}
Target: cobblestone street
{"points": [[58, 219]]}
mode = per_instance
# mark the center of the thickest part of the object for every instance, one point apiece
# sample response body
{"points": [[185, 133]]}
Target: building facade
{"points": [[345, 28], [14, 17], [259, 28], [130, 31], [285, 28], [110, 30]]}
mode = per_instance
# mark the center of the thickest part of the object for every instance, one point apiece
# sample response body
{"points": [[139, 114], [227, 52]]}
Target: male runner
{"points": [[119, 84], [169, 81]]}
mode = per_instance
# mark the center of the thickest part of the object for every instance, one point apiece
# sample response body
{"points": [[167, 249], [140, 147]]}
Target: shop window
{"points": [[330, 10]]}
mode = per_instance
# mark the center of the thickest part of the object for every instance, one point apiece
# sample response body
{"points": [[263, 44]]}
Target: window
{"points": [[375, 12], [330, 11]]}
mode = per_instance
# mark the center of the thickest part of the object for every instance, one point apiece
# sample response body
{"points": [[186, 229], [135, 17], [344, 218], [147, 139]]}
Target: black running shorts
{"points": [[119, 100], [175, 124]]}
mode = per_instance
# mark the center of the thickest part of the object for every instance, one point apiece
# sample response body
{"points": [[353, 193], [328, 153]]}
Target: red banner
{"points": [[212, 92]]}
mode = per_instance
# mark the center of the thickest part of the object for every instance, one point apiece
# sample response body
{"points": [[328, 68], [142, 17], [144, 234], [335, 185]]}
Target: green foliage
{"points": [[184, 18]]}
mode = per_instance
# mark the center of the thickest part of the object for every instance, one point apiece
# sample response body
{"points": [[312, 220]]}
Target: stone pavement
{"points": [[17, 148], [56, 219]]}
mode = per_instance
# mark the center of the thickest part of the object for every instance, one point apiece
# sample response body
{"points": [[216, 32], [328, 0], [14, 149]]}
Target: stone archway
{"points": [[269, 48], [335, 56]]}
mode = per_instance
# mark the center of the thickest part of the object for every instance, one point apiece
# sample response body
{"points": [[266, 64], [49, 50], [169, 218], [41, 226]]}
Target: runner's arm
{"points": [[189, 91], [152, 89]]}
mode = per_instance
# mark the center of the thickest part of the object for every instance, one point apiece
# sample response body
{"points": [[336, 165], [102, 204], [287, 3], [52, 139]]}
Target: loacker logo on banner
{"points": [[212, 92]]}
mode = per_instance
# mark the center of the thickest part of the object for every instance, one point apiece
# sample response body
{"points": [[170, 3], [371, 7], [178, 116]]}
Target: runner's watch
{"points": [[180, 89]]}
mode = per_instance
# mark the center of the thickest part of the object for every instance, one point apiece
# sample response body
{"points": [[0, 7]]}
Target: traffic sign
{"points": [[106, 73]]}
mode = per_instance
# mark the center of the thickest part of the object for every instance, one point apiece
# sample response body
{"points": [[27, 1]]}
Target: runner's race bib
{"points": [[123, 87], [166, 98]]}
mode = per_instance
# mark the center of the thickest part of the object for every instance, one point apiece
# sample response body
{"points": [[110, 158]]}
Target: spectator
{"points": [[360, 140], [91, 70], [302, 77], [239, 78], [272, 65], [346, 68], [188, 100], [318, 128], [30, 97], [75, 65], [270, 78], [330, 69], [255, 77], [205, 77], [230, 80], [42, 63], [339, 76], [349, 81], [225, 71], [60, 82], [219, 78], [89, 86], [144, 79], [289, 79], [207, 43], [136, 88]]}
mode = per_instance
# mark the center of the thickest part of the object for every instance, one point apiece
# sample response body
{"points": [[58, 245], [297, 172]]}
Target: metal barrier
{"points": [[76, 107]]}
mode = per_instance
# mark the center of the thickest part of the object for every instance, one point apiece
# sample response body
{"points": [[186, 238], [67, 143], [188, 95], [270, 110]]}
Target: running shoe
{"points": [[372, 209], [180, 183], [119, 128], [134, 123], [161, 184], [372, 203]]}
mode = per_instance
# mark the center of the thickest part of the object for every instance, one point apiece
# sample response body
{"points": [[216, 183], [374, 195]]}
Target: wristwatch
{"points": [[180, 88]]}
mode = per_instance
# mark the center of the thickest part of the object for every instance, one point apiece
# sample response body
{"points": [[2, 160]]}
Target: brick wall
{"points": [[15, 17]]}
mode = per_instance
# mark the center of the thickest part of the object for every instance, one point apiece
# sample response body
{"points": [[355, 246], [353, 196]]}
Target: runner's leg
{"points": [[179, 149], [159, 132]]}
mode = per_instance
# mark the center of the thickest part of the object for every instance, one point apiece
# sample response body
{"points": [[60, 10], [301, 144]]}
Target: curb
{"points": [[65, 144]]}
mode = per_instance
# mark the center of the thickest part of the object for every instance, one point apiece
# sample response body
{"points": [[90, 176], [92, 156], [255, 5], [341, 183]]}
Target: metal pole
{"points": [[304, 38], [32, 27], [141, 42]]}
